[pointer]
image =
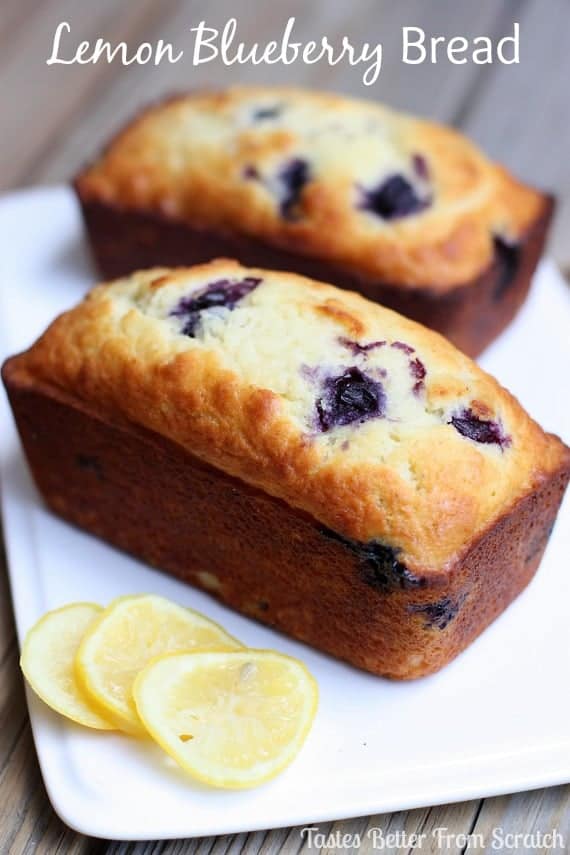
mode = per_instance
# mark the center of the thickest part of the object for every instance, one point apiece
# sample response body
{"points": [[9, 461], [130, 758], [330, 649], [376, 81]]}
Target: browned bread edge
{"points": [[150, 497]]}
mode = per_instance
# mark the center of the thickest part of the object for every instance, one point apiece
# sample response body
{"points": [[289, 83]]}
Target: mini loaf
{"points": [[313, 459], [407, 212]]}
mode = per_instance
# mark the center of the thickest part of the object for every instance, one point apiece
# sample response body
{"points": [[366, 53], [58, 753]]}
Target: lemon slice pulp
{"points": [[233, 719], [128, 634], [47, 660]]}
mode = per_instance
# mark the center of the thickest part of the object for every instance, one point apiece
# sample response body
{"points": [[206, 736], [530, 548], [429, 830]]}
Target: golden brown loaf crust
{"points": [[380, 193], [375, 426], [313, 460], [406, 212]]}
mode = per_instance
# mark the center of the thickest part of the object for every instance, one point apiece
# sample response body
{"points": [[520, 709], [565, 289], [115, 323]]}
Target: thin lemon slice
{"points": [[127, 635], [47, 660], [229, 719]]}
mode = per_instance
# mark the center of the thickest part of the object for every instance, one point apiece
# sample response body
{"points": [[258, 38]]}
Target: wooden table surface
{"points": [[54, 118]]}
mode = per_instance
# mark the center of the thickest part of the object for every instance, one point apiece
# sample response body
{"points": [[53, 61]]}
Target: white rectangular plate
{"points": [[494, 721]]}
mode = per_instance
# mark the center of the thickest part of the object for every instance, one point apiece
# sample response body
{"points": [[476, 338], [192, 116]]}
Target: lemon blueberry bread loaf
{"points": [[407, 212], [311, 458]]}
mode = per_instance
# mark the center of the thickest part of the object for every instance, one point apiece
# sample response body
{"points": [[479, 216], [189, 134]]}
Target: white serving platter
{"points": [[494, 721]]}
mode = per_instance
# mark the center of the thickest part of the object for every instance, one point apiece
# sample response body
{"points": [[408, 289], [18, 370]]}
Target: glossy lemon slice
{"points": [[47, 660], [126, 636], [229, 719]]}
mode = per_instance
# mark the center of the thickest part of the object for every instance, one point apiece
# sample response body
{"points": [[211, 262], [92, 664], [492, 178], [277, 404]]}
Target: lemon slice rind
{"points": [[108, 659], [190, 722], [47, 662]]}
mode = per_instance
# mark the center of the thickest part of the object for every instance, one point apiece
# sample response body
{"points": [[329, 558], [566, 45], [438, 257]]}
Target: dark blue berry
{"points": [[357, 348], [379, 565], [507, 262], [250, 172], [264, 113], [479, 430], [223, 293], [401, 345], [90, 463], [394, 198], [439, 614], [381, 568], [418, 372], [351, 397], [421, 167], [293, 178]]}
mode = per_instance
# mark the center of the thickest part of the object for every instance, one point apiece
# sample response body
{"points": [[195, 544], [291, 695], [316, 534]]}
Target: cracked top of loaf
{"points": [[377, 427], [375, 191]]}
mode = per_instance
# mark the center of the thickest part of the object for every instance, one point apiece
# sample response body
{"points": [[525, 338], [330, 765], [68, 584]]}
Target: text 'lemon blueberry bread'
{"points": [[313, 459], [407, 212]]}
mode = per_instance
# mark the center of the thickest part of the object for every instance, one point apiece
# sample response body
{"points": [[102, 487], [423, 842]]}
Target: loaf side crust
{"points": [[277, 564], [242, 396]]}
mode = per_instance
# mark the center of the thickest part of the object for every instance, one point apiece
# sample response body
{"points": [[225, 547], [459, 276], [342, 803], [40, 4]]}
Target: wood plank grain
{"points": [[523, 117], [430, 89], [71, 112], [27, 821], [459, 818], [534, 813], [409, 87], [136, 86], [15, 15], [38, 99]]}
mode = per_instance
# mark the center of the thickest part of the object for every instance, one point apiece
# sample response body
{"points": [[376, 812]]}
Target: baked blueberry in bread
{"points": [[311, 458], [407, 212]]}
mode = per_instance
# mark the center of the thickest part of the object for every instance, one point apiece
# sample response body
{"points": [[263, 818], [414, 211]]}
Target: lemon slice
{"points": [[127, 635], [47, 660], [229, 719]]}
